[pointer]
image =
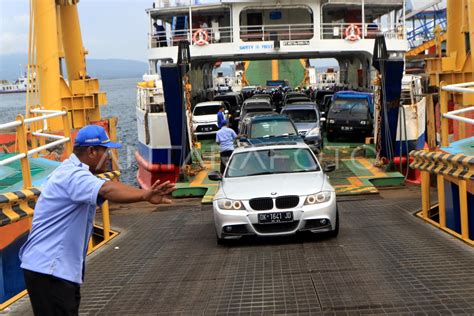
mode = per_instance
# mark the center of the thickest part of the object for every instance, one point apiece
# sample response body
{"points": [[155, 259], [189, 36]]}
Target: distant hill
{"points": [[11, 67]]}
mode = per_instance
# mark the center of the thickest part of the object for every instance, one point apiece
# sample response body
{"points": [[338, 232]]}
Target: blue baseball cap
{"points": [[94, 135]]}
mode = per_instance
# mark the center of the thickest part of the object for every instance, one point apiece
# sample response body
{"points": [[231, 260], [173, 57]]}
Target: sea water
{"points": [[121, 97]]}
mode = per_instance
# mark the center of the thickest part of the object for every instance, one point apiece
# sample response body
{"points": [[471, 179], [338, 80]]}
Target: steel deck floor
{"points": [[385, 261]]}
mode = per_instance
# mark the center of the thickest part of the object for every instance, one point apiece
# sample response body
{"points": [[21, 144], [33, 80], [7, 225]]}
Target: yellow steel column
{"points": [[425, 193], [106, 220], [90, 246], [47, 56], [23, 149], [463, 209], [441, 201], [72, 42], [113, 137], [443, 106]]}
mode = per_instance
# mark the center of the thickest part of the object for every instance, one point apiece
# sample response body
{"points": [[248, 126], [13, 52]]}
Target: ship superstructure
{"points": [[249, 30]]}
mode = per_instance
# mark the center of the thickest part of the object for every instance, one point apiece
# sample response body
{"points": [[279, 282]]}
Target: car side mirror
{"points": [[329, 167], [214, 176]]}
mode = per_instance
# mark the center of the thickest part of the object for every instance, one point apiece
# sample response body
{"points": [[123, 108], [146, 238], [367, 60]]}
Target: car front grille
{"points": [[276, 228], [261, 204], [285, 202]]}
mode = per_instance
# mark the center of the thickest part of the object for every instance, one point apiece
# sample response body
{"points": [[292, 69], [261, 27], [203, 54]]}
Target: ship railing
{"points": [[32, 124], [181, 3], [361, 30], [210, 35], [37, 126], [457, 169], [279, 32]]}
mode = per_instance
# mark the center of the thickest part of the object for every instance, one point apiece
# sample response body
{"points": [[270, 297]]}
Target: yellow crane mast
{"points": [[55, 36]]}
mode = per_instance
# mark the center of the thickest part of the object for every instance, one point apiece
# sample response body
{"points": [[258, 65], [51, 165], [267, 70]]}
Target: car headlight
{"points": [[363, 122], [317, 198], [231, 205], [314, 132], [332, 121]]}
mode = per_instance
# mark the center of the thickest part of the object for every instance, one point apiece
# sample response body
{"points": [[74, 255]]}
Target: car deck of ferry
{"points": [[385, 260]]}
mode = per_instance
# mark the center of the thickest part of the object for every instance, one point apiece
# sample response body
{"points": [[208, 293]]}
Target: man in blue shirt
{"points": [[53, 257], [221, 117], [225, 137]]}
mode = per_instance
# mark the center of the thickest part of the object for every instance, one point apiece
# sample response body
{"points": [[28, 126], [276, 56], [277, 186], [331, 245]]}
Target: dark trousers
{"points": [[225, 158], [52, 296]]}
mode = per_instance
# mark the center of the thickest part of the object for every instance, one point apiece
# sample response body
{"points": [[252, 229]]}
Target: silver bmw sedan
{"points": [[274, 189]]}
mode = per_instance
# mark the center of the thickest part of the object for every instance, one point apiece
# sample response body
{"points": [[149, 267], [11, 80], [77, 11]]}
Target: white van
{"points": [[205, 117]]}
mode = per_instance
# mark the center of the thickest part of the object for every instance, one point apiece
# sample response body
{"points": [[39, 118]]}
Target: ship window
{"points": [[267, 24]]}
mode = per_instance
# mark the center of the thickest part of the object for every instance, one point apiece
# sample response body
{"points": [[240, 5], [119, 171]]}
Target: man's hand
{"points": [[158, 192]]}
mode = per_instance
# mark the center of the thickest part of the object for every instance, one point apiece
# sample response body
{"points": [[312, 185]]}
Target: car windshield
{"points": [[272, 128], [232, 100], [299, 116], [255, 110], [271, 161], [295, 100], [352, 105], [206, 110], [260, 103]]}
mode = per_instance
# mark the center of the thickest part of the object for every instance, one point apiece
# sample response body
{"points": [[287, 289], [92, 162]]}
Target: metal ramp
{"points": [[353, 176]]}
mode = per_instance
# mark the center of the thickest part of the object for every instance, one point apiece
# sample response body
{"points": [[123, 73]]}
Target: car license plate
{"points": [[346, 128], [272, 218]]}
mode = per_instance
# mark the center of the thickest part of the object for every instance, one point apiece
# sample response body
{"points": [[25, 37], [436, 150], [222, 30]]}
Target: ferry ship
{"points": [[265, 36], [20, 85]]}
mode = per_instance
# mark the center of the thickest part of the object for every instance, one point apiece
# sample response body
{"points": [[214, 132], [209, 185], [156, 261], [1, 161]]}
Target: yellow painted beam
{"points": [[441, 201], [444, 121], [425, 193], [22, 144], [464, 210], [106, 220]]}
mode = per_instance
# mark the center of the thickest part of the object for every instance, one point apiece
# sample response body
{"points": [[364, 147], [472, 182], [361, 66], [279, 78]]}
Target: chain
{"points": [[193, 168], [379, 161]]}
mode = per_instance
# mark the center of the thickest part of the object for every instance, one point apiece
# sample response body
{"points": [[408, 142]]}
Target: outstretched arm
{"points": [[122, 193]]}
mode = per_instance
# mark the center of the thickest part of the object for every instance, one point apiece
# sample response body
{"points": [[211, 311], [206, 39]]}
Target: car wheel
{"points": [[335, 232]]}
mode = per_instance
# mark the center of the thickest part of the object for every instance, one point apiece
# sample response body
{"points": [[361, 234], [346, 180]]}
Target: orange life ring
{"points": [[200, 37], [352, 33]]}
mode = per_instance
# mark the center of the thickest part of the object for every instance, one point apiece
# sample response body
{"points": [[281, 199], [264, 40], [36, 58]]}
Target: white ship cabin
{"points": [[231, 30]]}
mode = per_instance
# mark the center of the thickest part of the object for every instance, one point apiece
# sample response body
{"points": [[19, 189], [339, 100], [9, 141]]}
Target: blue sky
{"points": [[110, 28]]}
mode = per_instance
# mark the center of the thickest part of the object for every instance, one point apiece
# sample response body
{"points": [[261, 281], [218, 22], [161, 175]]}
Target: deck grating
{"points": [[385, 261]]}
